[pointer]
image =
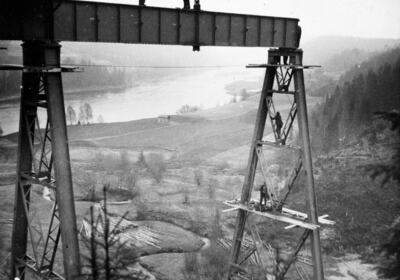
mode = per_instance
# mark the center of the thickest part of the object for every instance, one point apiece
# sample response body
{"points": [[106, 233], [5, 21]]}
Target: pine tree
{"points": [[109, 257]]}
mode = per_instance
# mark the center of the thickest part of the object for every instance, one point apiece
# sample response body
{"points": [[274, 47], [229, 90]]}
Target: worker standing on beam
{"points": [[186, 4], [196, 5]]}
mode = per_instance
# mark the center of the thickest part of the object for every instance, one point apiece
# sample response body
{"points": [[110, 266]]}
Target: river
{"points": [[205, 89]]}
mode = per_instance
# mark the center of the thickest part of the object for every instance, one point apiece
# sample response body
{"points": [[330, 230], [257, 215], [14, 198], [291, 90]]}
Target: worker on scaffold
{"points": [[278, 124]]}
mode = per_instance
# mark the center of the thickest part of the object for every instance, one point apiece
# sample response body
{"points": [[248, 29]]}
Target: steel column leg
{"points": [[252, 162], [30, 85], [62, 166], [42, 62], [307, 162], [295, 66]]}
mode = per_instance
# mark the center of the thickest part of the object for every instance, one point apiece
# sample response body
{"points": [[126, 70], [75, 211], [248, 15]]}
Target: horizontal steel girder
{"points": [[104, 22]]}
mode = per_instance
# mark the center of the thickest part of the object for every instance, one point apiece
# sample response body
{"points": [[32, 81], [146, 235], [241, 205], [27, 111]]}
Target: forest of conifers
{"points": [[349, 106]]}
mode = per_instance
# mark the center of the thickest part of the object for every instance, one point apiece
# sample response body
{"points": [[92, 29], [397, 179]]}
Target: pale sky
{"points": [[358, 18]]}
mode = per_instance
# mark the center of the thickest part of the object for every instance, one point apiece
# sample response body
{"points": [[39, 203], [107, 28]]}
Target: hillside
{"points": [[356, 146], [342, 58], [372, 86]]}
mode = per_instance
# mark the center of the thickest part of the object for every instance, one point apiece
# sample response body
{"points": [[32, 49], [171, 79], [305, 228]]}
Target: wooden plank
{"points": [[230, 209], [287, 66], [304, 216], [275, 216]]}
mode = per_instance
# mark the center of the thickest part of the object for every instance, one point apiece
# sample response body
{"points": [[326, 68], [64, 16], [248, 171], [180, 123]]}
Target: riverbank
{"points": [[203, 89]]}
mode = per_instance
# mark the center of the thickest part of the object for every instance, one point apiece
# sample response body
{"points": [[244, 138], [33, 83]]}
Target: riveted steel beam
{"points": [[104, 22]]}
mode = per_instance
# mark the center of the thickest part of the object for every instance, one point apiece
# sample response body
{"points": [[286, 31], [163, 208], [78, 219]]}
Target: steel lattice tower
{"points": [[283, 69]]}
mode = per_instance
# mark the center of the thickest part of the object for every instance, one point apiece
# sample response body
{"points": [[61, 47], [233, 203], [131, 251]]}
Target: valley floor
{"points": [[179, 173]]}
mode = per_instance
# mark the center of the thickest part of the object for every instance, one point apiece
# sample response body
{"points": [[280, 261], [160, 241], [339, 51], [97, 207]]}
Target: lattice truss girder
{"points": [[43, 242], [284, 67]]}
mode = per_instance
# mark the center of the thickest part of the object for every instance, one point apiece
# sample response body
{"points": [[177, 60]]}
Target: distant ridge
{"points": [[319, 49]]}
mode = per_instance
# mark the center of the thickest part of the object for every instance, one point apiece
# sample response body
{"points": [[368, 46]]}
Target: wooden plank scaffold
{"points": [[285, 68]]}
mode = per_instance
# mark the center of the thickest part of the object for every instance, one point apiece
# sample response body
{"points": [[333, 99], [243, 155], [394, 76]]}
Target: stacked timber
{"points": [[248, 246], [127, 232]]}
